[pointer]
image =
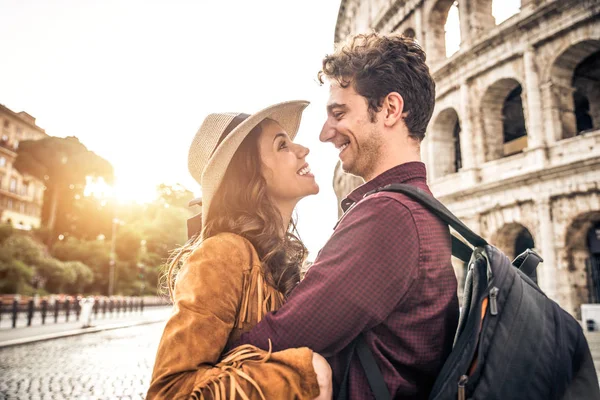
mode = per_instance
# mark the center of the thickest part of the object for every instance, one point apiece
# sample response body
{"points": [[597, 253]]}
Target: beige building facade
{"points": [[513, 146], [21, 196]]}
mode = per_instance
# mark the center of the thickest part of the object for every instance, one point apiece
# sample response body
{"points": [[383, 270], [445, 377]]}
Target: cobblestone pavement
{"points": [[113, 364]]}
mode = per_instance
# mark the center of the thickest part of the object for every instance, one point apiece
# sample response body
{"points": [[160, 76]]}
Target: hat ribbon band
{"points": [[238, 119]]}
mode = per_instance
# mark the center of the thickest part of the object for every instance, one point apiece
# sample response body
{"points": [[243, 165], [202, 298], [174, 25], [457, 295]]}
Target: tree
{"points": [[83, 276], [23, 260], [62, 164], [93, 253], [174, 195], [6, 230]]}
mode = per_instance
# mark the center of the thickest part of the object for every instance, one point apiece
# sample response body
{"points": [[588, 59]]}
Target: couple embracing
{"points": [[244, 325]]}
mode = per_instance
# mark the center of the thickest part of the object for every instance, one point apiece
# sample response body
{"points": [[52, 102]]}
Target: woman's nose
{"points": [[303, 151]]}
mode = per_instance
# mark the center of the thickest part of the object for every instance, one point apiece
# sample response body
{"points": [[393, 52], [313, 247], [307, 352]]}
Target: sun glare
{"points": [[97, 188]]}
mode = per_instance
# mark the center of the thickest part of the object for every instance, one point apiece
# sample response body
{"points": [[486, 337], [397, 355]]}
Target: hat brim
{"points": [[287, 114]]}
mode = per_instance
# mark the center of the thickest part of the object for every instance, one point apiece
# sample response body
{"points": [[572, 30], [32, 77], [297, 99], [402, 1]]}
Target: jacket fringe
{"points": [[268, 298], [231, 371]]}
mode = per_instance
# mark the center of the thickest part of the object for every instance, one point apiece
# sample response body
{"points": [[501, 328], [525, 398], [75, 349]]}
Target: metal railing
{"points": [[23, 310]]}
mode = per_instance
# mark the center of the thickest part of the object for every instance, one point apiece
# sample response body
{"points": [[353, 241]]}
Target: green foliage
{"points": [[57, 275], [128, 243], [80, 263], [23, 248], [5, 231], [174, 195], [25, 260], [95, 254], [14, 275], [165, 228], [84, 217], [84, 276]]}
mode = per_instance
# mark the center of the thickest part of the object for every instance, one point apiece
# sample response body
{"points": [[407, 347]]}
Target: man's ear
{"points": [[393, 105]]}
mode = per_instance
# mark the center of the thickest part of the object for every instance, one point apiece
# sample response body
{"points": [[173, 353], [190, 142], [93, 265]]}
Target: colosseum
{"points": [[513, 146]]}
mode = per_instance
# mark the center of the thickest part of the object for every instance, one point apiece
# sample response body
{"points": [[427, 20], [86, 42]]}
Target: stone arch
{"points": [[583, 265], [513, 238], [445, 137], [574, 78], [436, 31], [503, 119]]}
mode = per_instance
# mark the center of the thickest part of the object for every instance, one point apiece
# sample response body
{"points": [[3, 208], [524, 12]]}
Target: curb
{"points": [[76, 332]]}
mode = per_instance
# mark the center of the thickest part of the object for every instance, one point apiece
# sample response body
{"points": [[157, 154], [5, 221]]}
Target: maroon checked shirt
{"points": [[385, 271]]}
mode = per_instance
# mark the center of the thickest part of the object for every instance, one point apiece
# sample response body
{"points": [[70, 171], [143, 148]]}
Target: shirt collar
{"points": [[399, 174]]}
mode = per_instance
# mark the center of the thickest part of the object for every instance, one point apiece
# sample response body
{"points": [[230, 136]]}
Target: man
{"points": [[386, 270]]}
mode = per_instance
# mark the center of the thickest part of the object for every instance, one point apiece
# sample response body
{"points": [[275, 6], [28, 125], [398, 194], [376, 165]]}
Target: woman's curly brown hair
{"points": [[377, 65], [242, 206]]}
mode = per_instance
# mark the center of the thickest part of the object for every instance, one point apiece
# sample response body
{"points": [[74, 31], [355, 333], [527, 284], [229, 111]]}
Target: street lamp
{"points": [[112, 263]]}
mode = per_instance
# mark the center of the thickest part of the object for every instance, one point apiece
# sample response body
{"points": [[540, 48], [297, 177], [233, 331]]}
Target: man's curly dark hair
{"points": [[377, 65]]}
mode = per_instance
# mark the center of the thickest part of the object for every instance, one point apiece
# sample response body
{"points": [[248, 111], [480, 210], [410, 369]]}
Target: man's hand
{"points": [[323, 371]]}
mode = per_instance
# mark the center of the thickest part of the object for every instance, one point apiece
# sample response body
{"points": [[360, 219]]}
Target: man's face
{"points": [[351, 131]]}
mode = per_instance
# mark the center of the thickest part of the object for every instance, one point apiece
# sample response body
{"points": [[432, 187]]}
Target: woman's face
{"points": [[285, 168]]}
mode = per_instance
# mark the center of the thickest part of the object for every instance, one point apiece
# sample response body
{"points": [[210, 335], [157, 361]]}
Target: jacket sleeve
{"points": [[208, 293]]}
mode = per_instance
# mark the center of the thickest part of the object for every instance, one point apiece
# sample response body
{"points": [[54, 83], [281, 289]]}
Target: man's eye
{"points": [[282, 145], [338, 115]]}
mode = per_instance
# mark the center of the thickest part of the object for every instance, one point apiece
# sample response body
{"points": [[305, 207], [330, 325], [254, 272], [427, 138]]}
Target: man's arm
{"points": [[359, 277]]}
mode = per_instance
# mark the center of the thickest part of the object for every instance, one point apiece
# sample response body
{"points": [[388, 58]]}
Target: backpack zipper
{"points": [[493, 300], [462, 383]]}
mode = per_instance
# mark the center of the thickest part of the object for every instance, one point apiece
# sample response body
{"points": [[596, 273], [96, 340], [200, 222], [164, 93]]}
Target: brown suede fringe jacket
{"points": [[220, 292]]}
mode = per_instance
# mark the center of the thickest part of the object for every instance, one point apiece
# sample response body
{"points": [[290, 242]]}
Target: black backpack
{"points": [[512, 341]]}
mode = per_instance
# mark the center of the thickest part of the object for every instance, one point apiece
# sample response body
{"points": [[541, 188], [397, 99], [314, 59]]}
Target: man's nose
{"points": [[327, 132]]}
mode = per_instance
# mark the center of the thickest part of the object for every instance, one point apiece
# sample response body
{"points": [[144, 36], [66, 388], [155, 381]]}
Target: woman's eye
{"points": [[282, 145]]}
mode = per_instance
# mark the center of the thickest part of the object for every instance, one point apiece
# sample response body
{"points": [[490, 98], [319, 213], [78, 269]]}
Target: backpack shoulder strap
{"points": [[374, 375], [459, 248]]}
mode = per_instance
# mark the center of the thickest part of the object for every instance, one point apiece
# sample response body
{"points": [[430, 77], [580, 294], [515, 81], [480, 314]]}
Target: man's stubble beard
{"points": [[367, 159]]}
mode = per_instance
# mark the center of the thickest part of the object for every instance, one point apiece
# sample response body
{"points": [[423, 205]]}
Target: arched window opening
{"points": [[574, 82], [452, 30], [582, 255], [457, 152], [586, 82], [593, 262], [502, 119], [445, 141], [513, 123], [443, 30], [582, 112]]}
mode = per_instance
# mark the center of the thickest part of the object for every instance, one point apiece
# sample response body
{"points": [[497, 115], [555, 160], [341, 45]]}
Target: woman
{"points": [[243, 264]]}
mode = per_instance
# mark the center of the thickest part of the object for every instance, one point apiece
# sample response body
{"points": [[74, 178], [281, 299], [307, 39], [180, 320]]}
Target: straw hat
{"points": [[220, 136]]}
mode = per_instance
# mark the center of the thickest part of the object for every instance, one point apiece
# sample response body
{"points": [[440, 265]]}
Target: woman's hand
{"points": [[323, 371]]}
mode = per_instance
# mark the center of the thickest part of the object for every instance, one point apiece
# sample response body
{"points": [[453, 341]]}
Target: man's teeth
{"points": [[342, 147], [304, 171]]}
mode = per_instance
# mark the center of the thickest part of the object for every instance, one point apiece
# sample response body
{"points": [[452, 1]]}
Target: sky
{"points": [[133, 80]]}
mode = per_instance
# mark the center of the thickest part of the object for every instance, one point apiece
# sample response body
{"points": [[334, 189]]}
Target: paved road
{"points": [[113, 364]]}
